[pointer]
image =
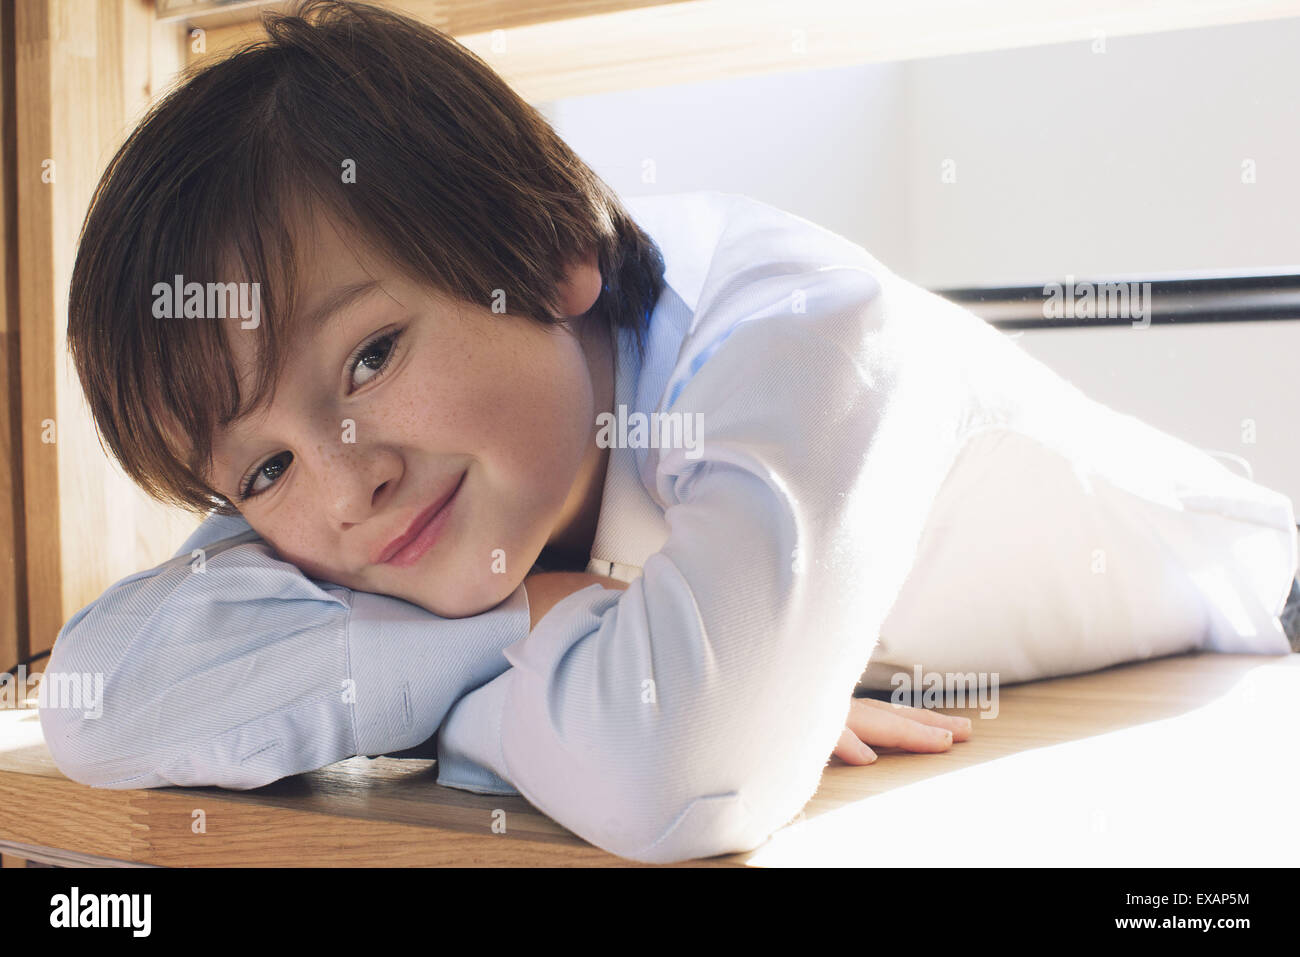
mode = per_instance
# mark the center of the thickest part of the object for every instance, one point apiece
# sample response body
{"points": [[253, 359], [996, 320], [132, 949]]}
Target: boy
{"points": [[447, 314]]}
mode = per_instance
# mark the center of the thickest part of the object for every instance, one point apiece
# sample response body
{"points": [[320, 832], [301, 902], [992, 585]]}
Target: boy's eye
{"points": [[371, 359], [367, 363], [271, 470]]}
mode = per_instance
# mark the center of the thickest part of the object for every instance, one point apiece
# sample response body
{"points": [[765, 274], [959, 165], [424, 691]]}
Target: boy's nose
{"points": [[356, 481]]}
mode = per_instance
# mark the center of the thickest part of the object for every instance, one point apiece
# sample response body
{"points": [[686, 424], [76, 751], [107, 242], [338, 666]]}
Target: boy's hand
{"points": [[888, 725], [881, 723]]}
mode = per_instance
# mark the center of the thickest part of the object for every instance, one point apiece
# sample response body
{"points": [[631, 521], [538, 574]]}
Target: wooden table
{"points": [[1181, 761]]}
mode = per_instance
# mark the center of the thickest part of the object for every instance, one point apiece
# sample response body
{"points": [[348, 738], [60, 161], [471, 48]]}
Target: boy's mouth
{"points": [[422, 533]]}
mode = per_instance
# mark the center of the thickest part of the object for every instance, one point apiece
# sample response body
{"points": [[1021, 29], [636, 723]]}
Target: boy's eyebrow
{"points": [[339, 299], [331, 306]]}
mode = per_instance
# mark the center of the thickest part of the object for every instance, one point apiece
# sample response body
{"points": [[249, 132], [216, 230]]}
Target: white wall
{"points": [[1071, 162], [1068, 162], [824, 144], [1075, 162]]}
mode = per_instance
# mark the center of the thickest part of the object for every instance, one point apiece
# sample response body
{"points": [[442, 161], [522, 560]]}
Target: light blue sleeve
{"points": [[227, 666], [692, 714]]}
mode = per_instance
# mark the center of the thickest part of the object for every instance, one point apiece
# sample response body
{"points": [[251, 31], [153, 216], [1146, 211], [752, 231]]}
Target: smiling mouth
{"points": [[423, 533]]}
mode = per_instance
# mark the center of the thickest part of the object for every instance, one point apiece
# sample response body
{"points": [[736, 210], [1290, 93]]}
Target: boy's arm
{"points": [[546, 589], [692, 713], [232, 668]]}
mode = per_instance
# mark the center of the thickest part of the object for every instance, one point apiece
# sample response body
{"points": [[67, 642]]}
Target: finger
{"points": [[885, 729], [850, 750], [960, 727]]}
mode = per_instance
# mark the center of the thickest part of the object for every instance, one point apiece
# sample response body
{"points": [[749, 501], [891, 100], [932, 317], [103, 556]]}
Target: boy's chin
{"points": [[468, 601]]}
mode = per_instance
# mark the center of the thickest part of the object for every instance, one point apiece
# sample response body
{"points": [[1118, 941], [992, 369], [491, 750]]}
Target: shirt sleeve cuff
{"points": [[469, 741], [407, 667]]}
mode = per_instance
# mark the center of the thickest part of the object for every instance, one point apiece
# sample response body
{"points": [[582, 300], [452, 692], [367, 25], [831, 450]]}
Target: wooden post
{"points": [[86, 70], [13, 586]]}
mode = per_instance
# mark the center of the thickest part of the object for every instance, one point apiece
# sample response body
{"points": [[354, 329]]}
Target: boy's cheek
{"points": [[494, 539], [459, 594], [314, 565]]}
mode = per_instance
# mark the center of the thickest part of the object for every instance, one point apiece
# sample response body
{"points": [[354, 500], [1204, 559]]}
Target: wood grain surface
{"points": [[1188, 760]]}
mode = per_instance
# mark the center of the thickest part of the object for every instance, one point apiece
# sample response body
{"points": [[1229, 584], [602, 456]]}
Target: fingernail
{"points": [[945, 735], [867, 754]]}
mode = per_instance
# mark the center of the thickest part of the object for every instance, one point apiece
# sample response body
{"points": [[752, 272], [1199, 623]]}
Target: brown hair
{"points": [[457, 180]]}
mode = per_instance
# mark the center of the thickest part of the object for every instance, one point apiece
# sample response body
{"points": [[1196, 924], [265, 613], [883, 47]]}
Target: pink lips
{"points": [[409, 547]]}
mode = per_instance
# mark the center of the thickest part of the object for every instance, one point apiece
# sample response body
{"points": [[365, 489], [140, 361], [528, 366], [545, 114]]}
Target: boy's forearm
{"points": [[546, 589]]}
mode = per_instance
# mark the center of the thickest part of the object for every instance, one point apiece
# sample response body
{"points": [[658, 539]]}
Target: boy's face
{"points": [[354, 448]]}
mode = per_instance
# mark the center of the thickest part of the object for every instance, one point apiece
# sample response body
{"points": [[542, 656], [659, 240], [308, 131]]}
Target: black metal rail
{"points": [[1164, 301]]}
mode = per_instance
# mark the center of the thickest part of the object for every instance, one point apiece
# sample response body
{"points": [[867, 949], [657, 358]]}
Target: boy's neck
{"points": [[574, 533]]}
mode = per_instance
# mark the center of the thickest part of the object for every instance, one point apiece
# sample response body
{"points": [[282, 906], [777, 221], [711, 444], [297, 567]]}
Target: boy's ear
{"points": [[580, 287]]}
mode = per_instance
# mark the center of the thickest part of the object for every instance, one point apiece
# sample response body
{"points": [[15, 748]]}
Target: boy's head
{"points": [[435, 279]]}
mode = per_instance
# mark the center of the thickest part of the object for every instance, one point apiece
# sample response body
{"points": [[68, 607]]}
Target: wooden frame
{"points": [[85, 71], [550, 49], [13, 537], [77, 74]]}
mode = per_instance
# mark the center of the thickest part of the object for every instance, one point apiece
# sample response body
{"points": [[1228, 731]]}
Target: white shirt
{"points": [[882, 478]]}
